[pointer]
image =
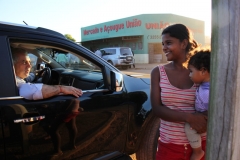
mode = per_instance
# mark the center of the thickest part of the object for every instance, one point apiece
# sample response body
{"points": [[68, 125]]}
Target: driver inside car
{"points": [[34, 76], [68, 110], [22, 66]]}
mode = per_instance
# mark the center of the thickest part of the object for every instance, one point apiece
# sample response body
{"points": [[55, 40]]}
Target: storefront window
{"points": [[134, 46], [140, 45]]}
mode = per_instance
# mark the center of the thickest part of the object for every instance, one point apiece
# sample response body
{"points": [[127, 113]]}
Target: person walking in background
{"points": [[62, 59], [173, 95], [199, 66]]}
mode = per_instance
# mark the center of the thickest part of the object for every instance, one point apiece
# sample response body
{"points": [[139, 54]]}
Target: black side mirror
{"points": [[116, 81]]}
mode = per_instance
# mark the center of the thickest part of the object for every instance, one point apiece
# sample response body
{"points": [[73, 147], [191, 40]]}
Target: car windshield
{"points": [[43, 54], [69, 60], [125, 51]]}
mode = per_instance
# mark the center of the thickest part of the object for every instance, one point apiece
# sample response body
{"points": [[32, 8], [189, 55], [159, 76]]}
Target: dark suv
{"points": [[116, 122]]}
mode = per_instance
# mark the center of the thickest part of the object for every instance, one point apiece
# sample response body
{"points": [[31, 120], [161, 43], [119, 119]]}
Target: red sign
{"points": [[114, 27]]}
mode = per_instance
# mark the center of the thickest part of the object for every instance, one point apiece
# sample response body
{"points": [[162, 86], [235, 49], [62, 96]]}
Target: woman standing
{"points": [[173, 95]]}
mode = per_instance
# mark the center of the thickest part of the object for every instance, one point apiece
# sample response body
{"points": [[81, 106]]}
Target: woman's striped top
{"points": [[182, 100]]}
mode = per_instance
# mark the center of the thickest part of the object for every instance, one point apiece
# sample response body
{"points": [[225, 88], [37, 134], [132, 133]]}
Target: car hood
{"points": [[146, 80], [140, 76]]}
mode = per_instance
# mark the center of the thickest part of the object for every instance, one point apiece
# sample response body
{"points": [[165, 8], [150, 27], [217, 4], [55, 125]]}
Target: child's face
{"points": [[198, 76]]}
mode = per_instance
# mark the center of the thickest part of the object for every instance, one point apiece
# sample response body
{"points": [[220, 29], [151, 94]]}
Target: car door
{"points": [[101, 126]]}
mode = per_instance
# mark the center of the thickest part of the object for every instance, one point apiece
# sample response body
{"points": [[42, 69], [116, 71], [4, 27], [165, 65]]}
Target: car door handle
{"points": [[29, 119]]}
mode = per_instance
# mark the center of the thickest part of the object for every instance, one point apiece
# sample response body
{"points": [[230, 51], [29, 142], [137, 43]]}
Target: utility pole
{"points": [[223, 135]]}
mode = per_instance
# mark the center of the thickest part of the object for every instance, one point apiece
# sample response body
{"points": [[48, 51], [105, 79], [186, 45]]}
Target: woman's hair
{"points": [[181, 32], [201, 60]]}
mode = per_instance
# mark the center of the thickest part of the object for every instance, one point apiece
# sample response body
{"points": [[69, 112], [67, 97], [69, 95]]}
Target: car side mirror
{"points": [[116, 81]]}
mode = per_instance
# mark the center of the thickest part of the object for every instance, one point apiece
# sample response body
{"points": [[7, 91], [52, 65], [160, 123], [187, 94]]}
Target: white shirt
{"points": [[30, 78], [29, 91]]}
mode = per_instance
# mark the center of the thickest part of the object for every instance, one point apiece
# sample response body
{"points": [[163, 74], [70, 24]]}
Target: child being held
{"points": [[199, 66]]}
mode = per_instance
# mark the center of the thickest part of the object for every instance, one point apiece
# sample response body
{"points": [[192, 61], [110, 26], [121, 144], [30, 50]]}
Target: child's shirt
{"points": [[202, 97]]}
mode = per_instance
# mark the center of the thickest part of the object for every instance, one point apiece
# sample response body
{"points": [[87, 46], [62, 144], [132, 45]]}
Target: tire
{"points": [[148, 147]]}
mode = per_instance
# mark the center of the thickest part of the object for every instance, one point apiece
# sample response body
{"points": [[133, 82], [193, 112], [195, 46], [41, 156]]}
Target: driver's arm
{"points": [[42, 91], [52, 90]]}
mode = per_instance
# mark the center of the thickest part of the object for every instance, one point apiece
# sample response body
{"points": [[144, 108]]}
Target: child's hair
{"points": [[181, 32], [201, 59]]}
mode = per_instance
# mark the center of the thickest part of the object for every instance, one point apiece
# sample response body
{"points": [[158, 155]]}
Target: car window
{"points": [[69, 60], [103, 52], [109, 51], [74, 61], [68, 68], [125, 51]]}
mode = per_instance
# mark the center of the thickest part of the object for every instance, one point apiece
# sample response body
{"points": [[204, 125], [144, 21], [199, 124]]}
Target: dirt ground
{"points": [[140, 70]]}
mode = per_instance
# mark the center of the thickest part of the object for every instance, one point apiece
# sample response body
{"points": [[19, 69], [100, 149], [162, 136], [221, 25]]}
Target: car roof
{"points": [[13, 27]]}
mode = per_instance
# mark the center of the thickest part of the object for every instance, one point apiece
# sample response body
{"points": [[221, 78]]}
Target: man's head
{"points": [[21, 61]]}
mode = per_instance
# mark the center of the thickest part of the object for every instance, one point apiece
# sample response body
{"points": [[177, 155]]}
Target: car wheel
{"points": [[148, 146], [110, 62]]}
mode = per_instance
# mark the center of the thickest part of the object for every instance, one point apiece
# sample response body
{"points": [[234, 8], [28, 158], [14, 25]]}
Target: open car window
{"points": [[56, 56], [67, 68], [69, 60]]}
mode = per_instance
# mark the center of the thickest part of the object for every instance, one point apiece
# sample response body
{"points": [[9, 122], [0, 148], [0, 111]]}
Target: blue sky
{"points": [[68, 16]]}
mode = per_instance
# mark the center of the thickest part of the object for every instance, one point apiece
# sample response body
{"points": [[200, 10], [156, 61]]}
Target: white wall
{"points": [[141, 58]]}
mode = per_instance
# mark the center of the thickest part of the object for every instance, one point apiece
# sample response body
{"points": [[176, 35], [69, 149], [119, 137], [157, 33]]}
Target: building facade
{"points": [[142, 33]]}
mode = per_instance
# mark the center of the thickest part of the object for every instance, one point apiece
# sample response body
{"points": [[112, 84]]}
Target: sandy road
{"points": [[140, 70]]}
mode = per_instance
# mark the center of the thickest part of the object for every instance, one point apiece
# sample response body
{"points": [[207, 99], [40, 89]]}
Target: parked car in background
{"points": [[116, 122], [118, 56]]}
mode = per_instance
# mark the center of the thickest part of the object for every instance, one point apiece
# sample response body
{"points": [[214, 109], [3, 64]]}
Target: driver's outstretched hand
{"points": [[71, 90]]}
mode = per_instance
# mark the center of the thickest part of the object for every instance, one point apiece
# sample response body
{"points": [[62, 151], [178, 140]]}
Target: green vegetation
{"points": [[68, 36]]}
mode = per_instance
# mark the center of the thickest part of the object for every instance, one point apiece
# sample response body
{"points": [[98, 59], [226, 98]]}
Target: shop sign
{"points": [[115, 27], [160, 25]]}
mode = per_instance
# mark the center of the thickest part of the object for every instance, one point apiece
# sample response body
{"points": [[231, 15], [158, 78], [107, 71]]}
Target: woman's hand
{"points": [[198, 122]]}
